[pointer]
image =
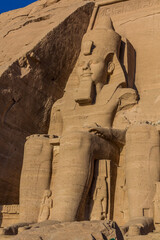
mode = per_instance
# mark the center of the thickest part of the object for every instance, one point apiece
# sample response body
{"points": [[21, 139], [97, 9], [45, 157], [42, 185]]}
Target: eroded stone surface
{"points": [[39, 47], [98, 230], [100, 158]]}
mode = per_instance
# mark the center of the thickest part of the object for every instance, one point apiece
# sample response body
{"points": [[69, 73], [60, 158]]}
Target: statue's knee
{"points": [[141, 133], [35, 143]]}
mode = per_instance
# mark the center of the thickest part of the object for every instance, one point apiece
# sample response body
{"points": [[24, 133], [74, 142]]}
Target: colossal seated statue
{"points": [[81, 127]]}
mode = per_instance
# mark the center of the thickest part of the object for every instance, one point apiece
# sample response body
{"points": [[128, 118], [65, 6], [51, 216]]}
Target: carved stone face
{"points": [[93, 67]]}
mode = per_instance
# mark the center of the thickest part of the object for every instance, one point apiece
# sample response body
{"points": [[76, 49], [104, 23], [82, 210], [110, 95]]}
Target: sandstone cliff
{"points": [[39, 47]]}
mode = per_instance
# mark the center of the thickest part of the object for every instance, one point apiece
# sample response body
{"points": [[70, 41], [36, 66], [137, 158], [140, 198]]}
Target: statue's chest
{"points": [[83, 111], [82, 116]]}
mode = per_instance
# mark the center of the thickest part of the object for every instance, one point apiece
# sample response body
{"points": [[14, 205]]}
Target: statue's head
{"points": [[98, 60], [97, 50], [47, 193]]}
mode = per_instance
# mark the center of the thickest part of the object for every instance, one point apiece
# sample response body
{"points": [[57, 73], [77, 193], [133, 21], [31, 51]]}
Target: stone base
{"points": [[151, 236], [90, 230]]}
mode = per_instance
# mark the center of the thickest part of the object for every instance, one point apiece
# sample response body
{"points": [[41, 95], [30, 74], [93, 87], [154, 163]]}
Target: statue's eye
{"points": [[97, 60]]}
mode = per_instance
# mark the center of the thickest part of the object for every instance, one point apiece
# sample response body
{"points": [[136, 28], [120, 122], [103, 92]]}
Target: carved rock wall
{"points": [[39, 47], [138, 21]]}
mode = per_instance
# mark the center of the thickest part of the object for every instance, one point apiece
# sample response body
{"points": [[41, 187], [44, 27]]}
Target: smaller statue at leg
{"points": [[46, 205]]}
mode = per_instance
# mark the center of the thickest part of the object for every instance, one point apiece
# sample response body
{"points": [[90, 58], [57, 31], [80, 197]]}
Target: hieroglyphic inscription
{"points": [[10, 209], [125, 7]]}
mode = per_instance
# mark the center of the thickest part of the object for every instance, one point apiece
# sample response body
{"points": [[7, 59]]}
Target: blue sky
{"points": [[7, 5]]}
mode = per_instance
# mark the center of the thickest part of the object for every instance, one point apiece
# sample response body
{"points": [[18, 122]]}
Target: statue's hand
{"points": [[101, 132], [115, 135], [97, 131]]}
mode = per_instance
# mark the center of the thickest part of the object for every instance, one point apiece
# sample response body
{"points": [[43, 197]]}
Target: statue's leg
{"points": [[142, 171], [74, 172], [35, 176]]}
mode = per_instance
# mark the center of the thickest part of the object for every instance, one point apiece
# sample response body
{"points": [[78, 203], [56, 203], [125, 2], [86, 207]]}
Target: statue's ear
{"points": [[110, 64], [110, 67]]}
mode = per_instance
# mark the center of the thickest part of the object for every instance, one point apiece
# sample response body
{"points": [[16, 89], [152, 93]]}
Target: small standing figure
{"points": [[46, 205], [156, 202], [100, 200]]}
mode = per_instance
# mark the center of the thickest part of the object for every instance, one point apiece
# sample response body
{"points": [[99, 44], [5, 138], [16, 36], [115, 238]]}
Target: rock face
{"points": [[102, 153], [101, 157], [97, 230], [39, 47]]}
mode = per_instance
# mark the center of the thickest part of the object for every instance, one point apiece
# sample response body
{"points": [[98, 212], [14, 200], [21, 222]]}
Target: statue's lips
{"points": [[86, 74]]}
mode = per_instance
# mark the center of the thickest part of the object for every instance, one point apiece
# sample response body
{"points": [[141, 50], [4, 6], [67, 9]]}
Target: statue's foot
{"points": [[138, 226]]}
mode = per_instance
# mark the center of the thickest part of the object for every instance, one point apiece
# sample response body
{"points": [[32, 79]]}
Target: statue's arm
{"points": [[123, 98], [56, 121]]}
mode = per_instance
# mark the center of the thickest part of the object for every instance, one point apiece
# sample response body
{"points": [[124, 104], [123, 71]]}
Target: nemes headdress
{"points": [[102, 39]]}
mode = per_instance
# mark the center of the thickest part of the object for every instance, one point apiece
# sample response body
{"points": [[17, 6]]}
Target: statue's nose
{"points": [[86, 66]]}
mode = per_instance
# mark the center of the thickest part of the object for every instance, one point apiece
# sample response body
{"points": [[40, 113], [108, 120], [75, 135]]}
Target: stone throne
{"points": [[49, 165]]}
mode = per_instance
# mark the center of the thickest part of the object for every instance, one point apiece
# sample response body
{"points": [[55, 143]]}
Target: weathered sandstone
{"points": [[39, 47], [97, 158]]}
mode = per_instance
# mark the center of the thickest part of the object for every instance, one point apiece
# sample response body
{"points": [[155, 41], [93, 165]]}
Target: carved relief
{"points": [[100, 195], [10, 209], [129, 6], [45, 207], [156, 202]]}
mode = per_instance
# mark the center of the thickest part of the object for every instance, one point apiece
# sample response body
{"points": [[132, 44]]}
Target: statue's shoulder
{"points": [[57, 106], [59, 102], [127, 92], [109, 90], [128, 97], [65, 103]]}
